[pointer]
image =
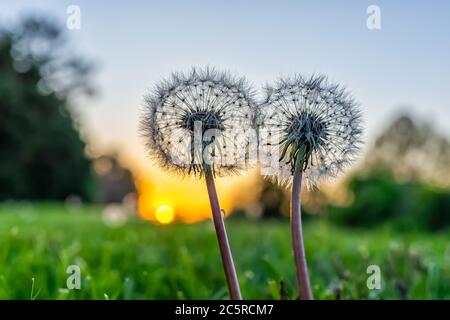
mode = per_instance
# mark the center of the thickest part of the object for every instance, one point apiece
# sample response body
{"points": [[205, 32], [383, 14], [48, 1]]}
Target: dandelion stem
{"points": [[225, 251], [297, 235]]}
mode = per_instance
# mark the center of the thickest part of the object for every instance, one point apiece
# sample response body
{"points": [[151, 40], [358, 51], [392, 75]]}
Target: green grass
{"points": [[139, 260]]}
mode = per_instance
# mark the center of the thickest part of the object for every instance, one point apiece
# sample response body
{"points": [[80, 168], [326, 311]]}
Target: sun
{"points": [[164, 214]]}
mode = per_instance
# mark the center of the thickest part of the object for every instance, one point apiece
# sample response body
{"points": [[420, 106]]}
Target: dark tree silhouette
{"points": [[115, 181], [42, 155]]}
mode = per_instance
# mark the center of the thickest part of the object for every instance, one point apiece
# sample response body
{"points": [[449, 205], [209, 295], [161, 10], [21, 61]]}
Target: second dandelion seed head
{"points": [[309, 122]]}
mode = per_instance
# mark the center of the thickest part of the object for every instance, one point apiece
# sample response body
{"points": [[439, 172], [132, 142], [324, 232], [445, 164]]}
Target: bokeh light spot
{"points": [[164, 214]]}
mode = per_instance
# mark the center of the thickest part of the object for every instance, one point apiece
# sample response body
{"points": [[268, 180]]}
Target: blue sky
{"points": [[403, 66]]}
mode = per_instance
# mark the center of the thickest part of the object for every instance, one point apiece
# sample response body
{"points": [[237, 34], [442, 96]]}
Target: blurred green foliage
{"points": [[139, 260], [379, 199], [404, 181], [42, 154]]}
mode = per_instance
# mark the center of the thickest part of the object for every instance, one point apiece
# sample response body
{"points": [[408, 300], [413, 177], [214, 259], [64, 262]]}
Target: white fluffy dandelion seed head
{"points": [[200, 119], [311, 121]]}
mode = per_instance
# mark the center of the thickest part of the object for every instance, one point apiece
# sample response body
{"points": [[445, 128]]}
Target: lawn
{"points": [[139, 260]]}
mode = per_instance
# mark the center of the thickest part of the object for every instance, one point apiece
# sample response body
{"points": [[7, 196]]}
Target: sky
{"points": [[403, 66]]}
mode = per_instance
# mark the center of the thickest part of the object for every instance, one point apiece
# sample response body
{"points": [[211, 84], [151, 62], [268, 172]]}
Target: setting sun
{"points": [[178, 195], [164, 214]]}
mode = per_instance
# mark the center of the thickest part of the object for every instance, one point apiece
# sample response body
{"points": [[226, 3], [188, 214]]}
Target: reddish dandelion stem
{"points": [[297, 236], [224, 246]]}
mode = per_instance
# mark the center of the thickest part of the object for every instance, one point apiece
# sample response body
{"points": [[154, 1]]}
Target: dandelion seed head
{"points": [[312, 122], [198, 118]]}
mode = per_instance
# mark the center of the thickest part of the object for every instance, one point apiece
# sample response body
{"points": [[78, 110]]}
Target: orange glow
{"points": [[188, 198], [164, 214]]}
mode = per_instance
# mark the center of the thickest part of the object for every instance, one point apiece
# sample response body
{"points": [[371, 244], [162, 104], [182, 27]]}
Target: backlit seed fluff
{"points": [[222, 104], [310, 121]]}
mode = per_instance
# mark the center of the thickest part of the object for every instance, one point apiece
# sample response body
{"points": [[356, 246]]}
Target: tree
{"points": [[405, 181], [411, 152], [42, 154], [114, 180]]}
